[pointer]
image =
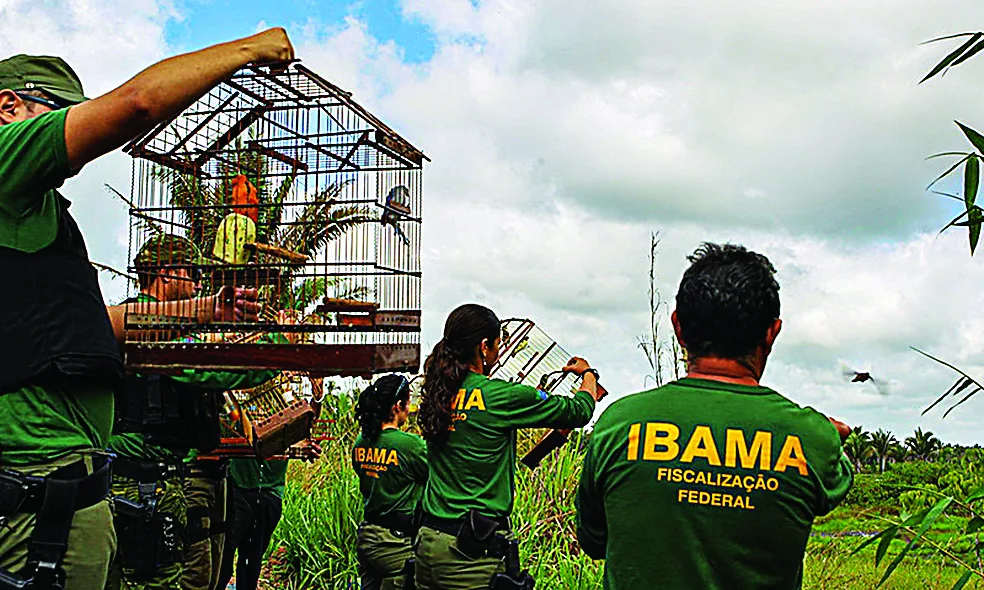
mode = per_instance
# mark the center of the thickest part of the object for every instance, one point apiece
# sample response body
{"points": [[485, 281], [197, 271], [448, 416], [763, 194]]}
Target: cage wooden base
{"points": [[322, 360]]}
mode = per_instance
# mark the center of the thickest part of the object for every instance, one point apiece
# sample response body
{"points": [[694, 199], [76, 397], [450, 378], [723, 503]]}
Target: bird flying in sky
{"points": [[865, 377]]}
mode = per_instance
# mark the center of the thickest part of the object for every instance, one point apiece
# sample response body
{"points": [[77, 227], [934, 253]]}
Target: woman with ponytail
{"points": [[469, 422], [392, 469]]}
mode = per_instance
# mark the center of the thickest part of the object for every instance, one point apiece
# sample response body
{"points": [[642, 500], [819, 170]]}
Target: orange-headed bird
{"points": [[244, 196]]}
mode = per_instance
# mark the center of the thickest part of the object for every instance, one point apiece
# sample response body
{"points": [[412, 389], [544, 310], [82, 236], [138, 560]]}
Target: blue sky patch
{"points": [[206, 22]]}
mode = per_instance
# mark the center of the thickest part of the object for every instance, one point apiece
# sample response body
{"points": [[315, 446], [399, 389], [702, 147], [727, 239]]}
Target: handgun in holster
{"points": [[148, 539]]}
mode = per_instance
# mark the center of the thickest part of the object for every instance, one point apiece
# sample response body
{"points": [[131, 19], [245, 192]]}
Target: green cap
{"points": [[42, 72], [167, 250]]}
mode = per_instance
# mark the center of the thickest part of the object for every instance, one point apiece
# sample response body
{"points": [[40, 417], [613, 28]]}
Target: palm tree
{"points": [[858, 447], [321, 221], [923, 445], [882, 445]]}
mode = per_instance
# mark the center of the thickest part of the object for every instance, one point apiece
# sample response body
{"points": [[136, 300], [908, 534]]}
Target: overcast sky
{"points": [[562, 133]]}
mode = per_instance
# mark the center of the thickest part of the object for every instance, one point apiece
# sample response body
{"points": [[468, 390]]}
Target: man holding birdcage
{"points": [[159, 421], [61, 361]]}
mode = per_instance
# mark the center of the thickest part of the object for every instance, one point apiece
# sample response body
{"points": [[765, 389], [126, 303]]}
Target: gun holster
{"points": [[514, 578], [148, 539], [55, 499], [476, 535]]}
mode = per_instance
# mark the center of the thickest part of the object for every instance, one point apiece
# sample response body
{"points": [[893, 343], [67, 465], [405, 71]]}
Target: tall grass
{"points": [[314, 545]]}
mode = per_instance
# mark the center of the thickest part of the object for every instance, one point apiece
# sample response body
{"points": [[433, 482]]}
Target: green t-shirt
{"points": [[53, 416], [33, 163], [188, 382], [392, 471], [707, 485], [475, 468], [254, 474]]}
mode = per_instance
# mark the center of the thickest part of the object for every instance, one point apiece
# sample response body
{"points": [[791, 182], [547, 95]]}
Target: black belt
{"points": [[146, 471], [400, 523], [452, 526], [24, 494], [216, 469]]}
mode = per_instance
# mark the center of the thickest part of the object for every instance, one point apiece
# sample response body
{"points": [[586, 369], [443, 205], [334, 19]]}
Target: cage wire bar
{"points": [[284, 184], [528, 355]]}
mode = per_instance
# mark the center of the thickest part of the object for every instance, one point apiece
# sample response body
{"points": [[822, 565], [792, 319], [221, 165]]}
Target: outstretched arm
{"points": [[161, 91], [228, 305]]}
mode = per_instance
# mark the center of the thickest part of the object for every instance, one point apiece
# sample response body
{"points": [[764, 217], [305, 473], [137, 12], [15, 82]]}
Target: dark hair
{"points": [[447, 366], [376, 404], [727, 300]]}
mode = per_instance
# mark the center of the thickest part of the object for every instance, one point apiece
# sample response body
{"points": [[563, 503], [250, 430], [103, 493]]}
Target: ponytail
{"points": [[375, 404], [448, 365]]}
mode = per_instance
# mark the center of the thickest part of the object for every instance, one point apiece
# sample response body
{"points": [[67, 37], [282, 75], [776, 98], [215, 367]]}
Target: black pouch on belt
{"points": [[476, 534]]}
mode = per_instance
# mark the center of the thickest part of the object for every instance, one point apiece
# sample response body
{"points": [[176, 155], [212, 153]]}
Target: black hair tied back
{"points": [[375, 405], [448, 365]]}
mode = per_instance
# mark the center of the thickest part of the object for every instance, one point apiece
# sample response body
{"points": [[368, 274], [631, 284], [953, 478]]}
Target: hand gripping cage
{"points": [[528, 355], [276, 180]]}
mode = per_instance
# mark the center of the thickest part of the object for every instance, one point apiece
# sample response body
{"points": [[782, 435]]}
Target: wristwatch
{"points": [[594, 372]]}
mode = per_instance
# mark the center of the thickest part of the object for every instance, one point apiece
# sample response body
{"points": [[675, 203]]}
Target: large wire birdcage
{"points": [[282, 183]]}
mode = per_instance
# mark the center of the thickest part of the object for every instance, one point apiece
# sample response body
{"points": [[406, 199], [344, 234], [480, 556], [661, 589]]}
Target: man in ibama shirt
{"points": [[712, 482]]}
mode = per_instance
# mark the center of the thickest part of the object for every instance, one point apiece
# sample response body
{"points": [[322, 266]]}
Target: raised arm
{"points": [[161, 91]]}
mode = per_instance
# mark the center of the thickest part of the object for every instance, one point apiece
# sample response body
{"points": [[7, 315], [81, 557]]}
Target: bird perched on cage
{"points": [[244, 196], [397, 204]]}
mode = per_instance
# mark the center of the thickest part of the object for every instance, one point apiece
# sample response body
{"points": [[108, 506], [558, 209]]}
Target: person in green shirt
{"points": [[712, 482], [159, 419], [62, 365], [469, 422], [392, 469], [256, 496]]}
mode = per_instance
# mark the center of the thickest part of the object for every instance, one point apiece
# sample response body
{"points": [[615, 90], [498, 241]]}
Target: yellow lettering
{"points": [[715, 499], [661, 434], [704, 498], [726, 500], [661, 473], [459, 400], [737, 450], [476, 401], [792, 456], [701, 444], [392, 459], [680, 494], [634, 442], [739, 502]]}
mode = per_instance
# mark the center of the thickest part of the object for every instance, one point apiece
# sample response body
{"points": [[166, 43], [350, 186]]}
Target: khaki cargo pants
{"points": [[382, 556], [203, 560], [170, 500], [91, 541], [440, 566]]}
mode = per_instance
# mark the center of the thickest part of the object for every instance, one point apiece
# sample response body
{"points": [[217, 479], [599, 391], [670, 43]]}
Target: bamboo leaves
{"points": [[968, 49], [962, 384], [973, 216]]}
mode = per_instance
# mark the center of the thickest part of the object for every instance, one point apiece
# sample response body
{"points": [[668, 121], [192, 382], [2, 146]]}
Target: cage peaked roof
{"points": [[302, 122]]}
